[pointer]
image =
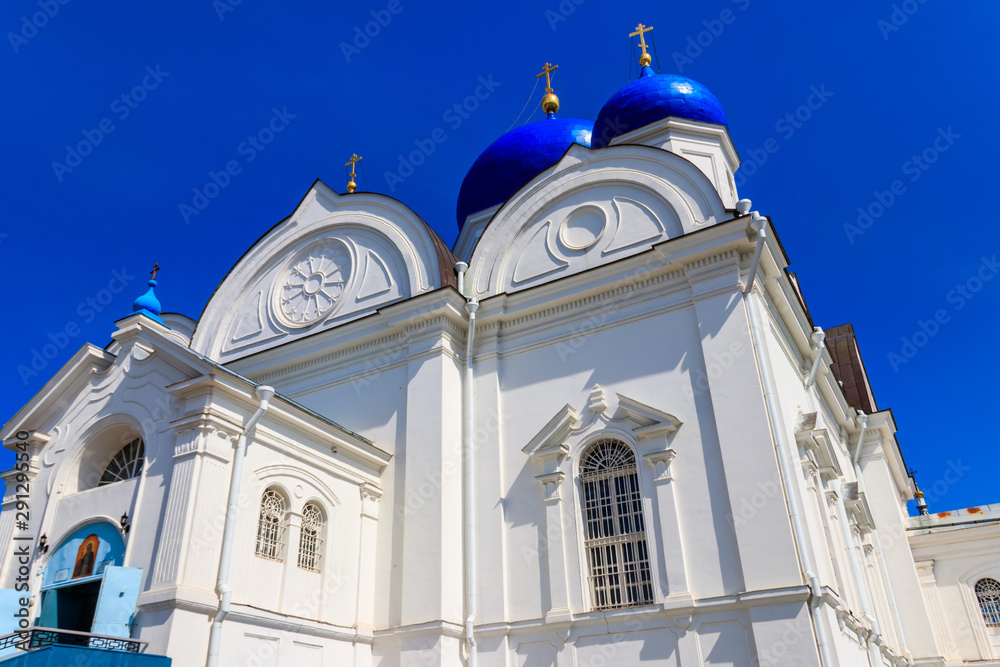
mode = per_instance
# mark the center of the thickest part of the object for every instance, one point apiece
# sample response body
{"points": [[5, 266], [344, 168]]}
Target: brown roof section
{"points": [[849, 369], [446, 259]]}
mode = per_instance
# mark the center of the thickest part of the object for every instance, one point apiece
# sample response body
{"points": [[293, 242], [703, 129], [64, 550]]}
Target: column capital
{"points": [[551, 483], [660, 462], [370, 497]]}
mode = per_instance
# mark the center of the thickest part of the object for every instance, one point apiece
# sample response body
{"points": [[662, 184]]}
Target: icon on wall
{"points": [[85, 557]]}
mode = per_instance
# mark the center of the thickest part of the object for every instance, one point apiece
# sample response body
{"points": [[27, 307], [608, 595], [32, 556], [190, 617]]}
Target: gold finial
{"points": [[641, 30], [918, 494], [351, 185], [550, 103], [156, 267]]}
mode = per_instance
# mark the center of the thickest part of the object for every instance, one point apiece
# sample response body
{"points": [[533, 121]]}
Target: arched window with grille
{"points": [[269, 526], [310, 538], [125, 464], [988, 596], [615, 528]]}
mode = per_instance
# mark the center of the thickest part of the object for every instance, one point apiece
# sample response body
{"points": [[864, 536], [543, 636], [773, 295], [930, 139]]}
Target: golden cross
{"points": [[354, 158], [641, 30], [156, 267], [546, 71]]}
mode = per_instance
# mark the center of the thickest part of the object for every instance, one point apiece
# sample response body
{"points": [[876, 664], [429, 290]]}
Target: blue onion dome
{"points": [[148, 304], [511, 161], [653, 97]]}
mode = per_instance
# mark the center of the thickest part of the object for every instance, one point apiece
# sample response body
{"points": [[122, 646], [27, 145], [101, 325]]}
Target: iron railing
{"points": [[35, 638]]}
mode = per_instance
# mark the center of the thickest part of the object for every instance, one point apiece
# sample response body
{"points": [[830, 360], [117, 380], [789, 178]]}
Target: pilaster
{"points": [[672, 543]]}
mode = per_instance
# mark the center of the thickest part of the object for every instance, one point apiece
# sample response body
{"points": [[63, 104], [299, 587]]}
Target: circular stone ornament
{"points": [[311, 287], [583, 228]]}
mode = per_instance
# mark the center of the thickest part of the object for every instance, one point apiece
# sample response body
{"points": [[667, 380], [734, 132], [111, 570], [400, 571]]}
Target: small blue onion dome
{"points": [[511, 161], [148, 304], [653, 97]]}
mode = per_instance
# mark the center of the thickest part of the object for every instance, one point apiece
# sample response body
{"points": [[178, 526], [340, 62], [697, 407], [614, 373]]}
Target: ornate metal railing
{"points": [[35, 638]]}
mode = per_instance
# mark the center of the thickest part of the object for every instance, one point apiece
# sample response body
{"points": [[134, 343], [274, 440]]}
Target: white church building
{"points": [[603, 429]]}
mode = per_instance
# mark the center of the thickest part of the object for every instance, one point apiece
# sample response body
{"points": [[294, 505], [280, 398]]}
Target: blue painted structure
{"points": [[111, 551], [510, 162], [653, 97], [61, 656], [148, 304]]}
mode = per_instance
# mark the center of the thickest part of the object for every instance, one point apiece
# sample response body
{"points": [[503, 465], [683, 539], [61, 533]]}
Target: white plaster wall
{"points": [[956, 560]]}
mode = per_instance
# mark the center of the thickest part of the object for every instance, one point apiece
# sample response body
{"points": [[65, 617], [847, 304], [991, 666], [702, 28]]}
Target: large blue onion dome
{"points": [[653, 97], [511, 161]]}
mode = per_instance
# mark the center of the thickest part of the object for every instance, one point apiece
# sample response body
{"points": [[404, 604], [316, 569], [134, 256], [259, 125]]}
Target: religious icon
{"points": [[85, 557]]}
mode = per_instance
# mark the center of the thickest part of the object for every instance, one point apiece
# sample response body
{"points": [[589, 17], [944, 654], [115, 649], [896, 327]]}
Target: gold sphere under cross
{"points": [[550, 103], [351, 185]]}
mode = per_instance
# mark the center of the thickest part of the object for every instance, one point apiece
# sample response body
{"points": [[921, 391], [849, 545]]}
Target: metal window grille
{"points": [[988, 595], [269, 526], [309, 539], [125, 464], [615, 528]]}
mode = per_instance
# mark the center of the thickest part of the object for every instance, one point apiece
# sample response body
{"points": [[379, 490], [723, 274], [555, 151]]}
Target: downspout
{"points": [[863, 420], [818, 336], [472, 601], [759, 224], [264, 395]]}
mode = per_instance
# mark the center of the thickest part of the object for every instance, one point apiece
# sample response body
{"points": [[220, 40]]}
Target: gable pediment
{"points": [[336, 258], [568, 427], [594, 207]]}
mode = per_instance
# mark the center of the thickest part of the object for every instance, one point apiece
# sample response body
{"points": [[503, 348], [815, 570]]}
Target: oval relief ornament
{"points": [[310, 289]]}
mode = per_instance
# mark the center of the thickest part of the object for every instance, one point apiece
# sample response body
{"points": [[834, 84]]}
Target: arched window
{"points": [[309, 538], [269, 528], [615, 528], [126, 464], [988, 595]]}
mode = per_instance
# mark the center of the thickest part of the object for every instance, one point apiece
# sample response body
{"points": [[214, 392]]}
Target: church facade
{"points": [[603, 429]]}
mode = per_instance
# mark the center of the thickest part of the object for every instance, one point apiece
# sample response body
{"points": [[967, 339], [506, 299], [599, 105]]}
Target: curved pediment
{"points": [[336, 258], [593, 207]]}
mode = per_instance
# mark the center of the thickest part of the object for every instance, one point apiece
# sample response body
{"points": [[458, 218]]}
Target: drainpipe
{"points": [[759, 223], [472, 601], [863, 420], [264, 395], [818, 336], [460, 270], [886, 580]]}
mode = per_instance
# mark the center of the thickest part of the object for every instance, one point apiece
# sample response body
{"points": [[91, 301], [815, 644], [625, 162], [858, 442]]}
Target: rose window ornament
{"points": [[314, 283]]}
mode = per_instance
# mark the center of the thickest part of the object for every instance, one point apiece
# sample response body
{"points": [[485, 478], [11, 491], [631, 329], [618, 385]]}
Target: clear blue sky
{"points": [[211, 75]]}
